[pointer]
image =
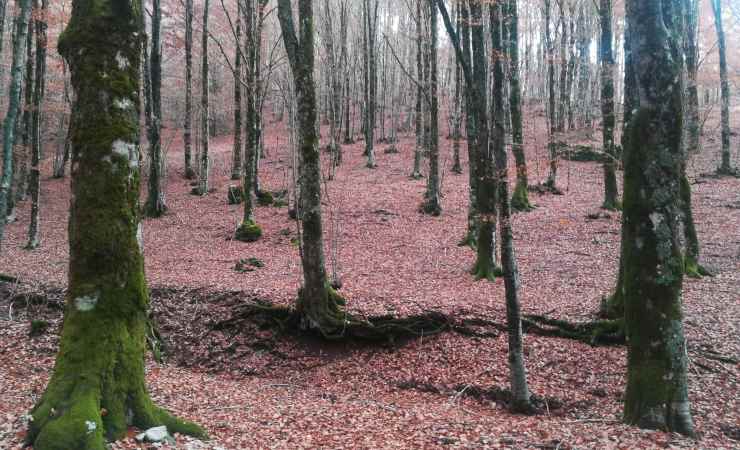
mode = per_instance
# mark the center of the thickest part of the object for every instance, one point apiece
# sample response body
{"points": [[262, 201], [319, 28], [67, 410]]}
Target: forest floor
{"points": [[253, 387]]}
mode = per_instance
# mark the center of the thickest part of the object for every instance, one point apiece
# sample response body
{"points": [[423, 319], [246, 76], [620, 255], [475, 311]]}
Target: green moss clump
{"points": [[693, 269], [520, 199], [248, 265], [38, 327], [248, 231], [265, 198]]}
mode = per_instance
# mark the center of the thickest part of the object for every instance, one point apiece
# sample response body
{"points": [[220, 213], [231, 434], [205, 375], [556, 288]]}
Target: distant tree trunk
{"points": [[584, 70], [517, 373], [432, 204], [204, 164], [611, 195], [62, 157], [156, 203], [419, 111], [236, 152], [464, 57], [725, 166], [318, 304], [520, 198], [39, 88], [656, 393], [26, 130], [693, 127], [187, 132], [371, 28], [3, 17], [14, 108], [550, 56], [98, 387], [563, 82], [457, 117]]}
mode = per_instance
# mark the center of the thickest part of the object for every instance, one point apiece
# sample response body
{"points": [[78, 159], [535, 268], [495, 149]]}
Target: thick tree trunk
{"points": [[520, 198], [611, 195], [98, 388], [188, 126], [725, 166], [656, 394], [319, 306], [156, 204], [39, 87], [517, 372], [14, 108]]}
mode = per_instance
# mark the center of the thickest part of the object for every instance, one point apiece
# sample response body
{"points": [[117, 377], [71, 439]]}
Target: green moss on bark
{"points": [[248, 231]]}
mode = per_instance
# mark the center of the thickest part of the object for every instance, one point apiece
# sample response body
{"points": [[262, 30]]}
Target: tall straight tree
{"points": [[156, 203], [236, 152], [517, 373], [419, 109], [98, 386], [725, 167], [656, 394], [187, 135], [14, 108], [520, 198], [611, 195], [370, 17], [552, 125], [432, 204], [39, 87], [205, 114], [691, 22], [318, 304]]}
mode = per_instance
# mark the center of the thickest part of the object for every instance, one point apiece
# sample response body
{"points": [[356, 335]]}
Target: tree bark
{"points": [[725, 166], [39, 88], [98, 387], [187, 131], [156, 204], [432, 204], [611, 195], [236, 152], [14, 108], [205, 120], [656, 394]]}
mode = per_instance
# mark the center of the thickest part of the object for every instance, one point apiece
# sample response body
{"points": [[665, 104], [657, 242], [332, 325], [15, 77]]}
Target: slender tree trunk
{"points": [[725, 166], [611, 195], [520, 198], [432, 204], [552, 126], [563, 82], [517, 373], [23, 151], [98, 386], [187, 132], [419, 112], [371, 28], [236, 152], [156, 204], [693, 127], [656, 394], [14, 108], [318, 304], [39, 87], [205, 122], [471, 122]]}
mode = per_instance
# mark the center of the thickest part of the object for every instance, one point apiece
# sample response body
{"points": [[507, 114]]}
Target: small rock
{"points": [[156, 434]]}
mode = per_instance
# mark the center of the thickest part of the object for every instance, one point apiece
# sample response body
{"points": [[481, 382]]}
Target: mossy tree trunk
{"points": [[656, 394], [520, 198], [249, 230], [98, 388], [318, 305], [611, 195], [725, 166], [156, 204], [187, 135], [39, 87], [517, 372], [14, 108]]}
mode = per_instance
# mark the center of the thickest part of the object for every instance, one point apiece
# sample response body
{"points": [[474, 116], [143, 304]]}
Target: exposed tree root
{"points": [[598, 332]]}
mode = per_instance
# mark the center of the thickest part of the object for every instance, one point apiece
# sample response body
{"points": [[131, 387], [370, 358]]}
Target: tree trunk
{"points": [[236, 152], [156, 204], [517, 373], [611, 195], [693, 127], [14, 108], [725, 166], [371, 29], [550, 55], [418, 120], [432, 204], [39, 88], [318, 305], [520, 198], [205, 120], [98, 388], [187, 132], [656, 394]]}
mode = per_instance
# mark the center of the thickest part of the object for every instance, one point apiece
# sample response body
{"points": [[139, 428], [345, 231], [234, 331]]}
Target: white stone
{"points": [[87, 302], [155, 434]]}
